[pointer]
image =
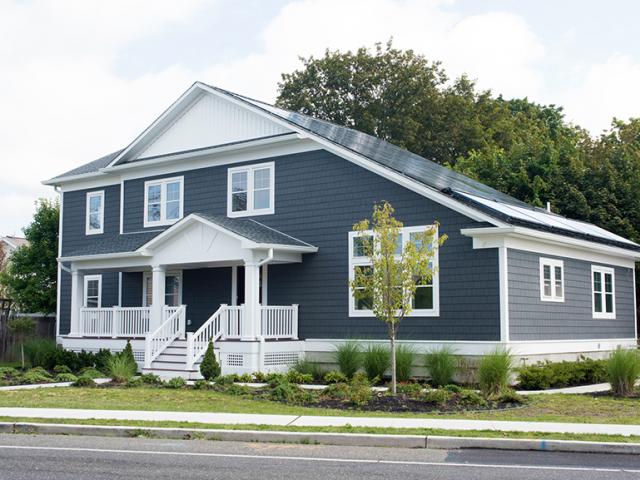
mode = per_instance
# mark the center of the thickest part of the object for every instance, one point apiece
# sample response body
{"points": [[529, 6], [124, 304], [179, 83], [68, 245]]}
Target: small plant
{"points": [[226, 379], [283, 391], [545, 375], [438, 396], [411, 389], [245, 378], [441, 364], [307, 367], [295, 376], [8, 373], [453, 388], [121, 369], [360, 387], [260, 377], [22, 328], [61, 369], [102, 360], [127, 354], [150, 379], [376, 360], [494, 371], [469, 398], [176, 383], [35, 375], [202, 384], [348, 357], [134, 382], [86, 359], [65, 377], [623, 370], [405, 356], [509, 395], [210, 368], [91, 373], [335, 376], [84, 381]]}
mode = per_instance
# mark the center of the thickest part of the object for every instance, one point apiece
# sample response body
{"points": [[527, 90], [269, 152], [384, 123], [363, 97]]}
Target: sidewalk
{"points": [[319, 421]]}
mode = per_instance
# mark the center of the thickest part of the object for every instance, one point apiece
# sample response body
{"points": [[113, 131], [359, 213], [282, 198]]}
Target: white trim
{"points": [[635, 306], [250, 172], [603, 271], [264, 277], [365, 261], [119, 289], [89, 196], [503, 279], [87, 279], [234, 286], [59, 284], [170, 273], [552, 263], [162, 183]]}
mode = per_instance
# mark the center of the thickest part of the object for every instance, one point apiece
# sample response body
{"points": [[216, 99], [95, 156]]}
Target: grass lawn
{"points": [[549, 408]]}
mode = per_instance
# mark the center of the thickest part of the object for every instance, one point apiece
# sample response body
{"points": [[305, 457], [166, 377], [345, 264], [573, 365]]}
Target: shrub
{"points": [[38, 351], [150, 379], [295, 376], [442, 365], [453, 388], [509, 395], [61, 369], [494, 370], [438, 396], [376, 360], [623, 370], [91, 373], [360, 389], [562, 374], [86, 359], [202, 384], [405, 356], [260, 377], [411, 389], [348, 356], [339, 391], [469, 398], [245, 378], [102, 359], [307, 367], [210, 368], [335, 376], [65, 377], [8, 373], [84, 381], [34, 375], [121, 369], [127, 355], [283, 391], [235, 389], [134, 382], [225, 379], [176, 382]]}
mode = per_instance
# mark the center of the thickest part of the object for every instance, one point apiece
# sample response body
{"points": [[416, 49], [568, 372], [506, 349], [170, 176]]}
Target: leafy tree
{"points": [[30, 278], [389, 284], [22, 328], [209, 368]]}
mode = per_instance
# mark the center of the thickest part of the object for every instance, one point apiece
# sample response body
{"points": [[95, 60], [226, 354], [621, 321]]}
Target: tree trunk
{"points": [[392, 338]]}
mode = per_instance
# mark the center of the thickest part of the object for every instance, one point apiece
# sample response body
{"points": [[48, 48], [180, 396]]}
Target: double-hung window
{"points": [[93, 291], [250, 190], [163, 201], [603, 290], [426, 299], [551, 280], [95, 213]]}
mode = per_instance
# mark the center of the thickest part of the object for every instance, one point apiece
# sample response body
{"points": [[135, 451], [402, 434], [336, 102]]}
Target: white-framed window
{"points": [[603, 292], [251, 190], [426, 301], [172, 289], [551, 280], [92, 291], [95, 213], [163, 201]]}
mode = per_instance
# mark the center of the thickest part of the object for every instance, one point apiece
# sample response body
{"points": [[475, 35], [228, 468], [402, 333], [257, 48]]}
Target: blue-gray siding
{"points": [[204, 289], [532, 319]]}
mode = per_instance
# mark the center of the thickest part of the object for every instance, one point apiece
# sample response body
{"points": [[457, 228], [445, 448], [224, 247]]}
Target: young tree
{"points": [[30, 278], [390, 283], [22, 328]]}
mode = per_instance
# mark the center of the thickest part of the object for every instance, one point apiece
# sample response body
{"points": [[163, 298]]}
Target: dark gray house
{"points": [[230, 219]]}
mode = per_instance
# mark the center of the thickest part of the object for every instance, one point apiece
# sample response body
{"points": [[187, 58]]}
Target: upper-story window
{"points": [[551, 280], [426, 299], [95, 213], [603, 289], [163, 201], [250, 190]]}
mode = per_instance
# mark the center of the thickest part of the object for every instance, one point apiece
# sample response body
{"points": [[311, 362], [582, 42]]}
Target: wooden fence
{"points": [[45, 327]]}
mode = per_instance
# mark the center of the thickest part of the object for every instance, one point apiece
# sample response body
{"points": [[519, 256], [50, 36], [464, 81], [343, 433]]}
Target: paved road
{"points": [[92, 458]]}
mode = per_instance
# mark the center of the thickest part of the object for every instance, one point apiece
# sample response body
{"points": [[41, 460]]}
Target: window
{"points": [[425, 300], [603, 287], [163, 203], [95, 213], [250, 190], [172, 289], [93, 291], [551, 280]]}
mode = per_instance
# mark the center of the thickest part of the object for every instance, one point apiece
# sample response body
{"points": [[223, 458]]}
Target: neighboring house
{"points": [[8, 245], [230, 219]]}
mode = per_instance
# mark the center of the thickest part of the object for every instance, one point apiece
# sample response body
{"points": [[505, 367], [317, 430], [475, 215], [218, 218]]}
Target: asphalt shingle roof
{"points": [[90, 167], [112, 243]]}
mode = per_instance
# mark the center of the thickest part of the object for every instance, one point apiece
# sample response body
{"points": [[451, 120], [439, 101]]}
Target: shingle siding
{"points": [[533, 319]]}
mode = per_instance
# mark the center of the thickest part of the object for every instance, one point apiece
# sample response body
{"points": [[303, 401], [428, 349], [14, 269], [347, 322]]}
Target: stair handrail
{"points": [[198, 341], [158, 340]]}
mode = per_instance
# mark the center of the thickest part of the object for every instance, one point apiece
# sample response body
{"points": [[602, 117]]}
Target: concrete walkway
{"points": [[319, 421]]}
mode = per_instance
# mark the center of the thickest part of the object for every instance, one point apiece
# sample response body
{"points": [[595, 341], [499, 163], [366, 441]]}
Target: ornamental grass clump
{"points": [[376, 360], [405, 356], [348, 357], [494, 370], [121, 369], [442, 365], [623, 370]]}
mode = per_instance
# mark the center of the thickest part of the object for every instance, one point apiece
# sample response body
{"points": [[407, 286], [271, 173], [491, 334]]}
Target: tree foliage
{"points": [[209, 367], [30, 278]]}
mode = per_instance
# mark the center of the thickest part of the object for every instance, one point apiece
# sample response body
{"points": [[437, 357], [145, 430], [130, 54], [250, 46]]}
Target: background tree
{"points": [[30, 278], [389, 284]]}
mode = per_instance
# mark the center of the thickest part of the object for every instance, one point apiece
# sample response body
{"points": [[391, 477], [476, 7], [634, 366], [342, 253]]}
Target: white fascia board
{"points": [[100, 256], [527, 239], [287, 248], [70, 178]]}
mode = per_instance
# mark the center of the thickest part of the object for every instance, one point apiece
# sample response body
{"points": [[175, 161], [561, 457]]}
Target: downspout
{"points": [[268, 259]]}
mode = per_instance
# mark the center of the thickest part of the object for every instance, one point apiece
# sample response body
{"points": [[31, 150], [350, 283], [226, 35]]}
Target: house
{"points": [[231, 219], [7, 245]]}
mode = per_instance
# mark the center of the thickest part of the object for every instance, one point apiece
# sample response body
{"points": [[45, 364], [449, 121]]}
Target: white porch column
{"points": [[77, 300], [158, 274], [251, 325]]}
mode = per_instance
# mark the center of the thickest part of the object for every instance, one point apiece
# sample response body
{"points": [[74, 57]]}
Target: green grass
{"points": [[345, 429]]}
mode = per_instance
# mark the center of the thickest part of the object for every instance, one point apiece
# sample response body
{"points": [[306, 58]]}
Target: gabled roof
{"points": [[14, 242]]}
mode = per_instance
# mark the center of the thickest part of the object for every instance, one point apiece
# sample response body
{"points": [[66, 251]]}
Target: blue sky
{"points": [[81, 78]]}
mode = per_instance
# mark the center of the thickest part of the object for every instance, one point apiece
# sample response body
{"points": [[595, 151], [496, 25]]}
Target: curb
{"points": [[324, 438]]}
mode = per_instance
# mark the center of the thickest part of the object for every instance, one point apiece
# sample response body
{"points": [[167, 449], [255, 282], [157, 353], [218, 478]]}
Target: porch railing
{"points": [[114, 322], [172, 328], [279, 322]]}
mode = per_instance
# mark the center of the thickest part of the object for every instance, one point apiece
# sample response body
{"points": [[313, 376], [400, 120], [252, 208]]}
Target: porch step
{"points": [[172, 362]]}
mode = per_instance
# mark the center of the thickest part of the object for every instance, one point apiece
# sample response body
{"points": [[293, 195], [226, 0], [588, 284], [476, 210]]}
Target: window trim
{"points": [[88, 229], [87, 279], [163, 182], [603, 270], [148, 275], [250, 169], [364, 261], [553, 263]]}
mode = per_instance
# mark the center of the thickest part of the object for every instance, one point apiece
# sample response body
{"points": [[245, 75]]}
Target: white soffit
{"points": [[211, 120]]}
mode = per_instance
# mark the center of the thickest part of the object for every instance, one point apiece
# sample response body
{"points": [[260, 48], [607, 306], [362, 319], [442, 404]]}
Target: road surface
{"points": [[91, 458]]}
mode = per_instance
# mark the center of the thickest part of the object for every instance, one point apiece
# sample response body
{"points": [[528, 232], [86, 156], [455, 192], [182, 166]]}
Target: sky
{"points": [[82, 78]]}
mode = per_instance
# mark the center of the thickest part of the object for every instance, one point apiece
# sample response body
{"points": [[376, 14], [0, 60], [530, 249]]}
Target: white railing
{"points": [[114, 322], [168, 310], [232, 319], [172, 328], [279, 321]]}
